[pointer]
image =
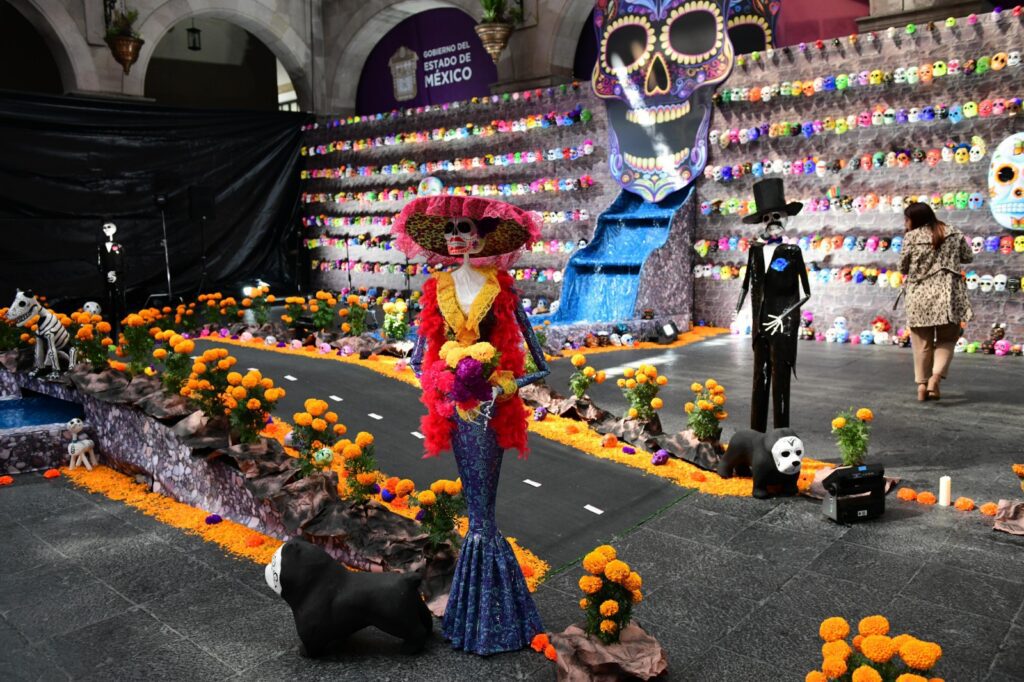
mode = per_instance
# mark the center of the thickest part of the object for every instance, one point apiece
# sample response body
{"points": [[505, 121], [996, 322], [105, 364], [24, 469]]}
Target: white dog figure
{"points": [[81, 450]]}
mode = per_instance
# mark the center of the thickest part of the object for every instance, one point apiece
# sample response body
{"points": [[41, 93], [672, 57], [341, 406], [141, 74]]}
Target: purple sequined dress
{"points": [[489, 608]]}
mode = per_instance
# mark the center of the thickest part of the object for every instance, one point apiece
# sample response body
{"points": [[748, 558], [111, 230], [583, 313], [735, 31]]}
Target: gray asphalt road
{"points": [[549, 502]]}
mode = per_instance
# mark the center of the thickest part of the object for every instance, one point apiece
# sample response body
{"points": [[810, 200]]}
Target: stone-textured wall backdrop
{"points": [[860, 303], [539, 140]]}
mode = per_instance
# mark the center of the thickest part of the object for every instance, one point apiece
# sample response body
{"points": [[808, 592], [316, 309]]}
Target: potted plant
{"points": [[496, 25], [121, 38]]}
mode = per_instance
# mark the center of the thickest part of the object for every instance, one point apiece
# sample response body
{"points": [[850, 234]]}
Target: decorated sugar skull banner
{"points": [[751, 24], [658, 64], [1006, 182]]}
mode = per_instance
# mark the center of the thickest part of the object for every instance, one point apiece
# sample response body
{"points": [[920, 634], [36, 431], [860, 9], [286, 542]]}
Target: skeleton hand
{"points": [[774, 326]]}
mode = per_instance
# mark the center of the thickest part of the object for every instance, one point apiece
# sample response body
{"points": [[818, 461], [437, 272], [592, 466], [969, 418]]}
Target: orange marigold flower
{"points": [[351, 452], [302, 419], [964, 504], [833, 667], [404, 487], [251, 380], [1017, 468], [237, 392], [539, 641], [103, 327], [907, 494], [865, 415], [838, 423], [920, 655], [608, 551], [331, 417], [609, 608], [815, 676], [550, 653], [590, 584], [866, 673], [234, 379], [834, 628], [254, 404], [452, 488], [589, 372], [838, 648], [427, 498], [340, 429], [578, 360], [160, 353], [609, 627], [689, 407], [927, 498], [878, 648], [633, 581], [319, 424], [369, 478], [911, 677], [637, 596], [873, 625], [225, 364], [364, 439], [657, 403], [616, 571], [594, 563], [989, 508], [584, 603]]}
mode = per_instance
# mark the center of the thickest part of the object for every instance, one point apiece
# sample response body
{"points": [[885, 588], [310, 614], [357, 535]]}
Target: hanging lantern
{"points": [[195, 39]]}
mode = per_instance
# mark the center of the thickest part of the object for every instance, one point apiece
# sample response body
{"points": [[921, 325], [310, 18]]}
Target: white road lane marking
{"points": [[418, 434], [289, 377], [591, 508], [374, 415], [529, 482], [335, 398]]}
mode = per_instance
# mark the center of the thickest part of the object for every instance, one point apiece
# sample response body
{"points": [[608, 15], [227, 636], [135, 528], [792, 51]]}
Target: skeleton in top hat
{"points": [[775, 300], [110, 259]]}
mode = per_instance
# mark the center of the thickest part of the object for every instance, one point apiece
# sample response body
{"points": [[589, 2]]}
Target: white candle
{"points": [[945, 490]]}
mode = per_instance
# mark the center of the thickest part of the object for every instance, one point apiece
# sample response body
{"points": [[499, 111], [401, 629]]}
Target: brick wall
{"points": [[860, 303]]}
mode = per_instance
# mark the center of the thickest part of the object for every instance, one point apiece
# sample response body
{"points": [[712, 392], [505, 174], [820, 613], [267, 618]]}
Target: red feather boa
{"points": [[509, 420]]}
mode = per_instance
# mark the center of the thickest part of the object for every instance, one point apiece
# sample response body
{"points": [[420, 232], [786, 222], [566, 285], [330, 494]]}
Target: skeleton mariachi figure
{"points": [[110, 258], [775, 300]]}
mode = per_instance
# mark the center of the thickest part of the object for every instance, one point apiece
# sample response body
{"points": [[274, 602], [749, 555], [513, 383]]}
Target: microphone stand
{"points": [[161, 202]]}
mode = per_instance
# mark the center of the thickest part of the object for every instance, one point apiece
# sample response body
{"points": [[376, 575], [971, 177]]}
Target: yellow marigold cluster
{"points": [[454, 352], [445, 487], [873, 625], [878, 648], [865, 415]]}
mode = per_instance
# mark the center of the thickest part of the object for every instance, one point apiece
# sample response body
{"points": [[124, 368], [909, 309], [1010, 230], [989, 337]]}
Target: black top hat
{"points": [[770, 196]]}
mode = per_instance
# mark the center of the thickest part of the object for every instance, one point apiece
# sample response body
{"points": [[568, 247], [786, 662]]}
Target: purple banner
{"points": [[430, 58]]}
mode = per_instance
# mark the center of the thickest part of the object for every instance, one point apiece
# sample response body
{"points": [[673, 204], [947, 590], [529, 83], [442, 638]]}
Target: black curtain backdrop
{"points": [[67, 165]]}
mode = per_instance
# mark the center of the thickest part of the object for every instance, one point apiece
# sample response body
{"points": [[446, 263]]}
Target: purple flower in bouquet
{"points": [[660, 457], [470, 382]]}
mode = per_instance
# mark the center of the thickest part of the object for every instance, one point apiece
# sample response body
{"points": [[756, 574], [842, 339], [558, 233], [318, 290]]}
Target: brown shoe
{"points": [[933, 387], [922, 392]]}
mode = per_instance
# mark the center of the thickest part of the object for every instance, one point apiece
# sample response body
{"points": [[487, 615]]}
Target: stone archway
{"points": [[359, 34], [62, 36], [258, 19], [566, 35]]}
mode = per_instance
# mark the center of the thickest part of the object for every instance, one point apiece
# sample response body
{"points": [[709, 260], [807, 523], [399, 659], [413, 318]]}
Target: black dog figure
{"points": [[330, 602], [772, 458]]}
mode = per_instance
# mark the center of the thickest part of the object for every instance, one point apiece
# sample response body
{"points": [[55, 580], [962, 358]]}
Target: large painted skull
{"points": [[751, 24], [1006, 182], [658, 65]]}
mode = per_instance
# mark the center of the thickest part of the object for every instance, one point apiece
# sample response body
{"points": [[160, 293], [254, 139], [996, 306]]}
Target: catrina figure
{"points": [[471, 317]]}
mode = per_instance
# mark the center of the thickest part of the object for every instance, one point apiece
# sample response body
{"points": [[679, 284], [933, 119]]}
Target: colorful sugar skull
{"points": [[999, 283], [1006, 184], [977, 153], [977, 244], [934, 157], [956, 113], [970, 109], [1006, 244], [985, 284], [972, 280], [939, 69], [899, 75], [985, 108], [658, 65], [1013, 58], [1018, 243], [912, 75], [999, 61], [1002, 347], [992, 243], [962, 153], [975, 201], [875, 77], [958, 200]]}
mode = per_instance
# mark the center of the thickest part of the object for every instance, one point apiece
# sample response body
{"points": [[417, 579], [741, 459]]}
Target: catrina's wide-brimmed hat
{"points": [[770, 197], [419, 228]]}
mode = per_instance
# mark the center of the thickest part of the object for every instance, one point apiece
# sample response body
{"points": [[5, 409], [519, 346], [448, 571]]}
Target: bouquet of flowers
{"points": [[176, 358], [137, 340], [208, 380], [211, 307], [611, 590], [396, 324], [584, 376], [440, 509], [248, 400], [294, 306], [472, 370], [259, 302], [640, 386], [92, 339], [360, 466], [230, 311], [874, 656], [185, 317], [853, 431], [322, 309], [706, 410], [354, 316]]}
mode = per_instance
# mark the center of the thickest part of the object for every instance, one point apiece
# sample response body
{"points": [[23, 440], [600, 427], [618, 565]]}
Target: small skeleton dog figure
{"points": [[81, 450], [775, 300], [51, 336]]}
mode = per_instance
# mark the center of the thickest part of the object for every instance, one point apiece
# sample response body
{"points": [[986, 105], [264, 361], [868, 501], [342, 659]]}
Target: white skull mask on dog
{"points": [[787, 453]]}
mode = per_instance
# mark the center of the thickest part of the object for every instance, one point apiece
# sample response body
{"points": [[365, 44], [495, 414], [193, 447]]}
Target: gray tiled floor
{"points": [[735, 589]]}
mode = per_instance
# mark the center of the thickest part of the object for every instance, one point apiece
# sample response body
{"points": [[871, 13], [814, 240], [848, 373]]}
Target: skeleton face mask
{"points": [[657, 68], [999, 283], [972, 280], [1013, 58], [787, 453], [1006, 184], [975, 201], [985, 284], [462, 238]]}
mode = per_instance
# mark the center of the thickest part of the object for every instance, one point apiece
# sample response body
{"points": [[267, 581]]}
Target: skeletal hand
{"points": [[774, 326]]}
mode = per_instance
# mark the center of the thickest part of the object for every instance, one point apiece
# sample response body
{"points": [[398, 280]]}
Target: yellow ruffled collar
{"points": [[466, 327]]}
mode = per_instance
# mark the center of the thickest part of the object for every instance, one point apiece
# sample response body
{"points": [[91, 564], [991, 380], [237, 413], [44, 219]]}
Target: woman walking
{"points": [[937, 304]]}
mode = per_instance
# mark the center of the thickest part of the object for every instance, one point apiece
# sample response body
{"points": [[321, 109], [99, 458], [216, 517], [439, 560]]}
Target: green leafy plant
{"points": [[611, 590], [396, 321], [583, 377], [640, 386], [322, 309], [354, 316], [122, 23], [499, 12], [853, 433], [294, 307]]}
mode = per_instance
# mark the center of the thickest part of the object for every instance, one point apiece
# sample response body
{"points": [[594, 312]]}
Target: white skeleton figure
{"points": [[51, 336], [81, 451]]}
